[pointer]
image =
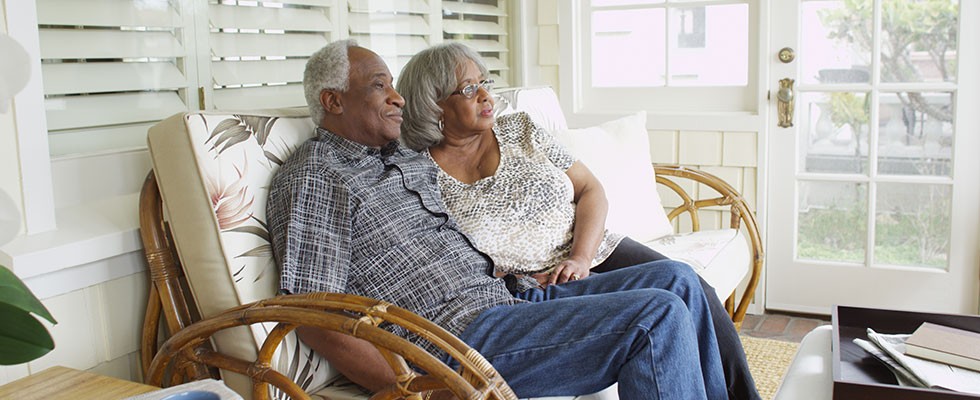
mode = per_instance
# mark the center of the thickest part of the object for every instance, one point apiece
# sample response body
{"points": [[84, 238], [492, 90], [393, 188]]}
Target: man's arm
{"points": [[357, 359], [310, 223]]}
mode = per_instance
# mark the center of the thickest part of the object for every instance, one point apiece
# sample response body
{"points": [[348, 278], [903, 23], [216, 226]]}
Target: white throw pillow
{"points": [[618, 153]]}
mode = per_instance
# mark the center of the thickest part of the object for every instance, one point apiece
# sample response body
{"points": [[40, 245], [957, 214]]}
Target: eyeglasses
{"points": [[470, 90]]}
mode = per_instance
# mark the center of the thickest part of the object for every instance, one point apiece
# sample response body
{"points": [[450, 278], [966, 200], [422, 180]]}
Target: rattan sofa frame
{"points": [[742, 218], [187, 356]]}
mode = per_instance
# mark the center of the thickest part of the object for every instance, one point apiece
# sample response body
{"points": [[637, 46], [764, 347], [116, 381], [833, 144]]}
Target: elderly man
{"points": [[352, 211]]}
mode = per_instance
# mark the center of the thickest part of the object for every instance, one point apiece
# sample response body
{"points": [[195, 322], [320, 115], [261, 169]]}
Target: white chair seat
{"points": [[720, 256]]}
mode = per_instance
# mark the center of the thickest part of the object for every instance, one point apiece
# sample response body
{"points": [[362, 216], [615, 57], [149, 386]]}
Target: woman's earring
{"points": [[441, 126]]}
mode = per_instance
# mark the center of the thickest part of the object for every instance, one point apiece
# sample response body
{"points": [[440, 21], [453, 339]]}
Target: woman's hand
{"points": [[571, 269]]}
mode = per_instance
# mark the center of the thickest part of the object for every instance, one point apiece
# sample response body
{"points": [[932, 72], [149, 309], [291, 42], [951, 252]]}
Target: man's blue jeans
{"points": [[625, 326]]}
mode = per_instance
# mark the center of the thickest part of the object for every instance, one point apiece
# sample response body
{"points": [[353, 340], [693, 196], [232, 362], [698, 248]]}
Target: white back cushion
{"points": [[540, 102], [618, 153], [213, 170]]}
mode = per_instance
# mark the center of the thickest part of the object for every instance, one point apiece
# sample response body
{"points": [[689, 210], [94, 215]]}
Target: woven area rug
{"points": [[768, 361]]}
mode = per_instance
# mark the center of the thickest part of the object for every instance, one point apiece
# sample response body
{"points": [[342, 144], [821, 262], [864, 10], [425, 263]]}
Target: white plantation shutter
{"points": [[482, 25], [395, 29], [110, 69], [258, 51]]}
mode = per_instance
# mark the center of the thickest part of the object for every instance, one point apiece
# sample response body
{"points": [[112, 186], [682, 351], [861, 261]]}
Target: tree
{"points": [[907, 27]]}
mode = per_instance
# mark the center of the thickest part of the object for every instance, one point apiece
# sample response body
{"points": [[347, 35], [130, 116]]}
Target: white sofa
{"points": [[213, 169], [810, 376]]}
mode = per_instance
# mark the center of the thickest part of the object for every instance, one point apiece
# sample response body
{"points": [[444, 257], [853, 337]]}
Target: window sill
{"points": [[85, 250]]}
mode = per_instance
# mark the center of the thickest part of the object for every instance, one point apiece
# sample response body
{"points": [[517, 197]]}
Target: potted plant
{"points": [[22, 337]]}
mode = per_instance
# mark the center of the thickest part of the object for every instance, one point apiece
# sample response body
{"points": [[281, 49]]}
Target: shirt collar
{"points": [[354, 150]]}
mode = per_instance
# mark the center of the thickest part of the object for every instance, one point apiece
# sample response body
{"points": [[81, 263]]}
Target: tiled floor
{"points": [[786, 327]]}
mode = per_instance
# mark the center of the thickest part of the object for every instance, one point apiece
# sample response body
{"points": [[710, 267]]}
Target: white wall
{"points": [[88, 271]]}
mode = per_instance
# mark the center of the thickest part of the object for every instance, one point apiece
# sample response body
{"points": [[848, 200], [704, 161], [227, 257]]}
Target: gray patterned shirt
{"points": [[348, 218]]}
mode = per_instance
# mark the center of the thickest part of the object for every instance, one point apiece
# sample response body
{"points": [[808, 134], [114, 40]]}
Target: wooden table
{"points": [[58, 383]]}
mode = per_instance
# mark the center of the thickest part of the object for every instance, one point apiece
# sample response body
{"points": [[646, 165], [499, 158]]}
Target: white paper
{"points": [[933, 374]]}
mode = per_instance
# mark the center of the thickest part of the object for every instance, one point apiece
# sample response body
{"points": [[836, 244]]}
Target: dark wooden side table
{"points": [[62, 383]]}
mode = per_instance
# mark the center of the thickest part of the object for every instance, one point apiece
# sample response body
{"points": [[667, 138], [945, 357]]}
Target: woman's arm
{"points": [[590, 225]]}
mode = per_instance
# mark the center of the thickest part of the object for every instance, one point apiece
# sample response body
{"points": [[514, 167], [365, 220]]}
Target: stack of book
{"points": [[944, 344]]}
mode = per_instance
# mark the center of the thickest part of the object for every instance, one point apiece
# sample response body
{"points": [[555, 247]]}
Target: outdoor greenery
{"points": [[22, 337], [835, 233], [911, 26], [910, 233]]}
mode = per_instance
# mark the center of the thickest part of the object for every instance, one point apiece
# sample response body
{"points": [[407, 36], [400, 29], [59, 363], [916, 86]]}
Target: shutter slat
{"points": [[79, 44], [486, 46], [259, 97], [457, 27], [472, 9], [392, 44], [110, 109], [290, 19], [98, 140], [499, 82], [315, 3], [413, 6], [495, 64], [388, 24], [230, 73], [254, 45], [150, 13], [75, 78]]}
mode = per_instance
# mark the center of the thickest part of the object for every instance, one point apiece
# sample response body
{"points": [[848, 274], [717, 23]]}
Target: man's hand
{"points": [[571, 269]]}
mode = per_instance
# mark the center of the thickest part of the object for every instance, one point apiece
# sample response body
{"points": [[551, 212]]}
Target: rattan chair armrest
{"points": [[742, 218], [351, 315]]}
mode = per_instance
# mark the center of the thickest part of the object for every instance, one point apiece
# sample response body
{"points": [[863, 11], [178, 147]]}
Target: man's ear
{"points": [[331, 101]]}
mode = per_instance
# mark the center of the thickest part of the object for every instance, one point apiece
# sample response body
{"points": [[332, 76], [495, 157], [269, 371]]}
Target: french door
{"points": [[874, 189]]}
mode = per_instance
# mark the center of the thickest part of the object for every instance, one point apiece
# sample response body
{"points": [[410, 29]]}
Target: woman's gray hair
{"points": [[328, 68], [428, 78]]}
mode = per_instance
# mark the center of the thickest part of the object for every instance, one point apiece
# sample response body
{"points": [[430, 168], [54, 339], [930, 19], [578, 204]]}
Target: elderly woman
{"points": [[522, 199]]}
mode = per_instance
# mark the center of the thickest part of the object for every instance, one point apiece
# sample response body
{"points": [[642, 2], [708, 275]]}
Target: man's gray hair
{"points": [[428, 78], [328, 68]]}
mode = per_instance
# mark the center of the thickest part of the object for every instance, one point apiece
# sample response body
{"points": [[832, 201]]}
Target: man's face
{"points": [[372, 109]]}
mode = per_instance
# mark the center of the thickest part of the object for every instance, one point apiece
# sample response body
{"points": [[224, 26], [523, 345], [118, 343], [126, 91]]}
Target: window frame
{"points": [[728, 101]]}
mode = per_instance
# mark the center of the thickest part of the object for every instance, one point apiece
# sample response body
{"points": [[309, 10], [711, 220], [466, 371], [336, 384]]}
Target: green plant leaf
{"points": [[22, 337], [16, 294]]}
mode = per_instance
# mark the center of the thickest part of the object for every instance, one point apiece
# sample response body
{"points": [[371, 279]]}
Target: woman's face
{"points": [[466, 116]]}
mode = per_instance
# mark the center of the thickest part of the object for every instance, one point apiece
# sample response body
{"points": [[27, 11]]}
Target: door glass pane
{"points": [[700, 37], [912, 224], [836, 41], [919, 40], [836, 125], [832, 221], [915, 133], [628, 48]]}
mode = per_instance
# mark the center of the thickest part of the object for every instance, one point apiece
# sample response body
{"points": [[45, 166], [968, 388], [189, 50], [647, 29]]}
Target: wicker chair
{"points": [[214, 283], [742, 219]]}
